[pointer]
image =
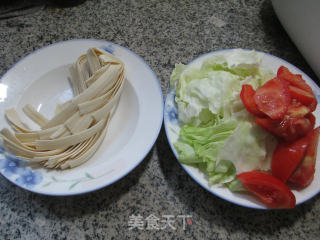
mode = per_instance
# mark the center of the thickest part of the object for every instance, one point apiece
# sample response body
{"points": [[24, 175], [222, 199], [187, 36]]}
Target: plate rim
{"points": [[185, 167], [148, 148]]}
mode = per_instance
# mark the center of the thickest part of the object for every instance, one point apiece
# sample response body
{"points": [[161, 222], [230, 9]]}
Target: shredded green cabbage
{"points": [[217, 134]]}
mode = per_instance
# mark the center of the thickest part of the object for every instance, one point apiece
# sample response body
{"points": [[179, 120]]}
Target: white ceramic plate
{"points": [[172, 130], [41, 79]]}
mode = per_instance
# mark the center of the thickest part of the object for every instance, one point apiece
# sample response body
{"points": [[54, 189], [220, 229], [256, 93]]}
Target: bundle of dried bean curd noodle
{"points": [[77, 129]]}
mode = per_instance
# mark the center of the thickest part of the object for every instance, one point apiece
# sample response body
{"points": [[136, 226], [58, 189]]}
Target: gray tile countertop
{"points": [[163, 33]]}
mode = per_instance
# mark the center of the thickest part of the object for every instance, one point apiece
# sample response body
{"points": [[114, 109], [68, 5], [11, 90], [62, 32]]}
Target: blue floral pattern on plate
{"points": [[109, 48], [29, 178], [16, 170], [170, 111], [172, 114]]}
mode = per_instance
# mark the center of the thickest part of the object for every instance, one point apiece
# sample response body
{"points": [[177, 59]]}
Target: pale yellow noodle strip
{"points": [[29, 145], [99, 107], [45, 134], [11, 137], [26, 152], [96, 136], [106, 57], [35, 116], [93, 61], [42, 134], [27, 137], [72, 120], [84, 122], [66, 112], [96, 103], [102, 112], [79, 154], [74, 81], [99, 85], [85, 70], [14, 119], [67, 141], [85, 147], [81, 78], [44, 159], [60, 131], [88, 154], [96, 75], [54, 162]]}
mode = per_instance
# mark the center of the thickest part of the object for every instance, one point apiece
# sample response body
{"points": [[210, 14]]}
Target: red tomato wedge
{"points": [[306, 98], [313, 105], [270, 190], [294, 79], [312, 119], [304, 173], [287, 156], [246, 95], [296, 109], [273, 98], [288, 128]]}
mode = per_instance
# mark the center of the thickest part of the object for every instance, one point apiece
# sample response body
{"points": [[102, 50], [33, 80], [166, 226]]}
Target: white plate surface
{"points": [[41, 79], [172, 128]]}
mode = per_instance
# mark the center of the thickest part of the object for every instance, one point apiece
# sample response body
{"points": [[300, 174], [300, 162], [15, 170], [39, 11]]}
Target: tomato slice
{"points": [[269, 125], [288, 128], [270, 190], [304, 173], [312, 120], [313, 105], [287, 156], [306, 98], [273, 98], [294, 79], [297, 109], [298, 127], [246, 95]]}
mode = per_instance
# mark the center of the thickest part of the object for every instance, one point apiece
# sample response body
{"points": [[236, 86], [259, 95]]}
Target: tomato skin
{"points": [[306, 98], [246, 95], [298, 127], [269, 125], [312, 120], [273, 98], [288, 128], [299, 89], [270, 190], [313, 105], [304, 173], [287, 156], [294, 79]]}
